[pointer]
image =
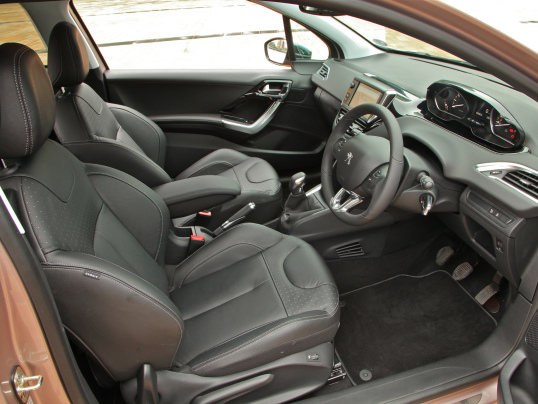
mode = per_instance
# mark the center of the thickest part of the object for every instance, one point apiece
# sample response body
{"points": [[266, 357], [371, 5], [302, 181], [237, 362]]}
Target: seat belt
{"points": [[11, 211]]}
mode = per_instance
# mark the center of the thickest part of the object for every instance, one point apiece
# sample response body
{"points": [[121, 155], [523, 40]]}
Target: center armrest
{"points": [[191, 195]]}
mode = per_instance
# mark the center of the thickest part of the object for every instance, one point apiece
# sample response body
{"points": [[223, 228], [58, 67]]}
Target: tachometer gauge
{"points": [[451, 101], [503, 129]]}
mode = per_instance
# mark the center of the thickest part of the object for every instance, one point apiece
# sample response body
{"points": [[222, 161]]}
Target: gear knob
{"points": [[297, 183]]}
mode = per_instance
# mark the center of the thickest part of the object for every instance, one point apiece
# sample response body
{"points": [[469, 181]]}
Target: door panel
{"points": [[190, 107]]}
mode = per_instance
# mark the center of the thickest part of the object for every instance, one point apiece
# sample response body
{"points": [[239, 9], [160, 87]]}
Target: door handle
{"points": [[275, 90]]}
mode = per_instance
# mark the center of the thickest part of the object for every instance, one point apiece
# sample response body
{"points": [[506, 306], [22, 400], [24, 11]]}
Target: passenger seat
{"points": [[120, 137]]}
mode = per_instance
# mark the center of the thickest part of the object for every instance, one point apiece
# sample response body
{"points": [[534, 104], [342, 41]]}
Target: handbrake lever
{"points": [[236, 218]]}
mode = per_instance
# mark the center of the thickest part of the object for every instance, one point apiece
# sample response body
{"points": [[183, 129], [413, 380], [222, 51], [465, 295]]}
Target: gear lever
{"points": [[297, 184]]}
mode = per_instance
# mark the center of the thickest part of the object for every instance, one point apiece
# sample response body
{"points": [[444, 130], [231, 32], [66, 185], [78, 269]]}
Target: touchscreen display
{"points": [[365, 94]]}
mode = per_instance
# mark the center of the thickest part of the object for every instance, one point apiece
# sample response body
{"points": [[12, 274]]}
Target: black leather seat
{"points": [[252, 301], [122, 138]]}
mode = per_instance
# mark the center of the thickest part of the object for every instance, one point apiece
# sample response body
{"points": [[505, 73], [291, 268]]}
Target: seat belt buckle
{"points": [[202, 218], [195, 243]]}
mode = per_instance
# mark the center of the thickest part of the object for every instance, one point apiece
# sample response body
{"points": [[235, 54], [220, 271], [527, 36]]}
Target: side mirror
{"points": [[276, 51]]}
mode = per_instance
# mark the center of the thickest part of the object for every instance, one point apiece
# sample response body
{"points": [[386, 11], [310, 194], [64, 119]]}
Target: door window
{"points": [[308, 46], [181, 34]]}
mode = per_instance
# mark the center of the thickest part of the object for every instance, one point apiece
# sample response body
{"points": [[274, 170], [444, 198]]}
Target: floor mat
{"points": [[406, 322], [418, 259]]}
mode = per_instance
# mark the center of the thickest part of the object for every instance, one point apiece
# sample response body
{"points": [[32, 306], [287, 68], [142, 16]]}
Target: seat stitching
{"points": [[265, 334], [228, 301], [134, 289], [79, 116], [31, 135], [143, 193], [277, 346], [19, 94], [210, 257], [137, 153], [147, 123], [274, 283]]}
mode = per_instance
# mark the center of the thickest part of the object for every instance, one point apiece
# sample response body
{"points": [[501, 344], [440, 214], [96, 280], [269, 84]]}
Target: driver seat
{"points": [[121, 137], [250, 314]]}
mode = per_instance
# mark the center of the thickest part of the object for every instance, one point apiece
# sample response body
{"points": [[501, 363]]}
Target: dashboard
{"points": [[471, 132]]}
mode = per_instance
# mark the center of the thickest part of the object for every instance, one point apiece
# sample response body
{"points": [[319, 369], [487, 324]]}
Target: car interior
{"points": [[356, 229]]}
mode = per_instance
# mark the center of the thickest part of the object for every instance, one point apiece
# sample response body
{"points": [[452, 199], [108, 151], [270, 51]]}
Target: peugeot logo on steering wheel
{"points": [[348, 158]]}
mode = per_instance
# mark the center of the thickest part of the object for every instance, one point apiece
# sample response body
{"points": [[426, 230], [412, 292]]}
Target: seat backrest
{"points": [[94, 131], [99, 233]]}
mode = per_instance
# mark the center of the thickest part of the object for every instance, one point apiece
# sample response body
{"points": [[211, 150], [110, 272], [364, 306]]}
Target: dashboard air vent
{"points": [[323, 72], [524, 181], [350, 250]]}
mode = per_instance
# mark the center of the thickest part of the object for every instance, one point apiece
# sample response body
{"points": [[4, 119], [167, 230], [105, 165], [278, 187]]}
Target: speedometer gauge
{"points": [[451, 101], [503, 129]]}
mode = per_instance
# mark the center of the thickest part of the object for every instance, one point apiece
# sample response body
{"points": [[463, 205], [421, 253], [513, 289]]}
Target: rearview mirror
{"points": [[318, 11]]}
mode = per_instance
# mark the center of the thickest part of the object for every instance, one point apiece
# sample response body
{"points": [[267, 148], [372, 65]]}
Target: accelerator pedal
{"points": [[443, 255], [489, 291], [337, 374], [462, 271]]}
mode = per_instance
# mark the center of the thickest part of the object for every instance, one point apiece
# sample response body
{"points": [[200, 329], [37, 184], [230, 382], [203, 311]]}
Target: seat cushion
{"points": [[251, 296], [258, 180]]}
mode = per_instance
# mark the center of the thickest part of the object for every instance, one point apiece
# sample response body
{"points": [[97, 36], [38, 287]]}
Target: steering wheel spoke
{"points": [[358, 157], [345, 200]]}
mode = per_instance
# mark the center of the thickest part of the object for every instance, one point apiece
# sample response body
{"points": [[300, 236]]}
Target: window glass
{"points": [[16, 26], [387, 38], [307, 44], [181, 34]]}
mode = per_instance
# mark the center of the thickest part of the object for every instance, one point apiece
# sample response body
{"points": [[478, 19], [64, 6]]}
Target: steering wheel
{"points": [[366, 166]]}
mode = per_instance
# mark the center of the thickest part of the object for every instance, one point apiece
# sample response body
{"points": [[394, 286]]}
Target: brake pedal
{"points": [[443, 255], [337, 374], [462, 271], [489, 291]]}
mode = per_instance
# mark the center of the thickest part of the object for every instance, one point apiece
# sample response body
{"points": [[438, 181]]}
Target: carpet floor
{"points": [[408, 321]]}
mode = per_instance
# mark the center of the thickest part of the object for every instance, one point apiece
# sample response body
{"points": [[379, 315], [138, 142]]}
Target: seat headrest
{"points": [[27, 106], [68, 63]]}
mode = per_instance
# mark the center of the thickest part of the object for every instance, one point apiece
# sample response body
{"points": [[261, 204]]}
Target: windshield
{"points": [[389, 39], [519, 21]]}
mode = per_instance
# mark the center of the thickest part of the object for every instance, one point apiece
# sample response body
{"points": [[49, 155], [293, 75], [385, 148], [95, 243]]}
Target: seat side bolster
{"points": [[126, 197], [132, 316], [147, 135], [216, 255], [121, 158], [214, 163]]}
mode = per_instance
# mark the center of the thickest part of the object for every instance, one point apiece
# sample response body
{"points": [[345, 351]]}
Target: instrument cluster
{"points": [[485, 117]]}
